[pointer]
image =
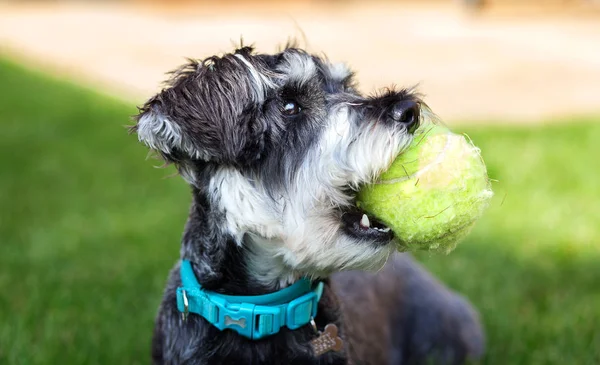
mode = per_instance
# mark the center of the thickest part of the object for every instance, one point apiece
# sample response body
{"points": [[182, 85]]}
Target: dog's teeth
{"points": [[364, 222], [386, 229]]}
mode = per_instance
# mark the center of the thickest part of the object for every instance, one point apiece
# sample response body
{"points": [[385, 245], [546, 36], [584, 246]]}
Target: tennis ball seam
{"points": [[438, 159]]}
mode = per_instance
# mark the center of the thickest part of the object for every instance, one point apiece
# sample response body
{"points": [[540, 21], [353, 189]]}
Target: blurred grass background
{"points": [[88, 231]]}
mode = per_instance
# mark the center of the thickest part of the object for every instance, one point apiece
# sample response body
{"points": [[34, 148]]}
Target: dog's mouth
{"points": [[359, 224]]}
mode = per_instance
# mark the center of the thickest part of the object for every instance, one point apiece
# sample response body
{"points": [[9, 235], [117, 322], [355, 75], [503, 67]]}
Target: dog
{"points": [[274, 148]]}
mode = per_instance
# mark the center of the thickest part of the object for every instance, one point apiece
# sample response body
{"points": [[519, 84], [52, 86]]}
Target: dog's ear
{"points": [[160, 133], [163, 134], [209, 112]]}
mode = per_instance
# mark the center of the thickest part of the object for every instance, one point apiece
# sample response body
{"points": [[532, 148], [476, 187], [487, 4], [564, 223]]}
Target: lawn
{"points": [[88, 230]]}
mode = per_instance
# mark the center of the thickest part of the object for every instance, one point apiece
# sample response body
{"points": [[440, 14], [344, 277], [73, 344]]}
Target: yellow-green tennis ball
{"points": [[432, 193]]}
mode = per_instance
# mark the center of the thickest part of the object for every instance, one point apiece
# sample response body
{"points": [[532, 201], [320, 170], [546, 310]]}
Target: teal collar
{"points": [[255, 316]]}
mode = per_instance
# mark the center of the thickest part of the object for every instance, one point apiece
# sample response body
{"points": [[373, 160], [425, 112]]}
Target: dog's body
{"points": [[274, 148]]}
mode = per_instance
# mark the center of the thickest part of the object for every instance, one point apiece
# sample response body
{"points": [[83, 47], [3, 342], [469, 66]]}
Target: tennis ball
{"points": [[432, 193]]}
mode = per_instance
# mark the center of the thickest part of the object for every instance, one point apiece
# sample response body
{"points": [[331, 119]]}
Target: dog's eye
{"points": [[291, 108]]}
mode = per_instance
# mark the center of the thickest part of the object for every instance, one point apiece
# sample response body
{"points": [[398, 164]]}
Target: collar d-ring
{"points": [[186, 306], [314, 325]]}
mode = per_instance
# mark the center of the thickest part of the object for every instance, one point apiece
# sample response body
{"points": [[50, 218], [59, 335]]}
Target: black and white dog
{"points": [[274, 148]]}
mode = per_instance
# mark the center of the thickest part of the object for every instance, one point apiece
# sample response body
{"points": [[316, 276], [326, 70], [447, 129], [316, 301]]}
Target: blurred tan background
{"points": [[509, 61]]}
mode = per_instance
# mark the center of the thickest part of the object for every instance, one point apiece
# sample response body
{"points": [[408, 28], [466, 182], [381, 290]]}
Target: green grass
{"points": [[88, 231]]}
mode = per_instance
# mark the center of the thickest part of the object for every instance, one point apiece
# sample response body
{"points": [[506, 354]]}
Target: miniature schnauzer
{"points": [[278, 264]]}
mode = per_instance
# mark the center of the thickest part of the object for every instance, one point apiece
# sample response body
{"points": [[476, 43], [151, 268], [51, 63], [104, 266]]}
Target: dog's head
{"points": [[280, 144]]}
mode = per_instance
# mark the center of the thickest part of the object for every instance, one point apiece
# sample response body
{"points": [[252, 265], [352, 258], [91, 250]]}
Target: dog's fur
{"points": [[274, 148]]}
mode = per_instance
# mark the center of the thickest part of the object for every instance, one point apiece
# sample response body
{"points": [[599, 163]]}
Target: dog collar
{"points": [[255, 316]]}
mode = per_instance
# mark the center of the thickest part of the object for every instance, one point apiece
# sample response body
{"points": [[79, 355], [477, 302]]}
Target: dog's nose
{"points": [[407, 113]]}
